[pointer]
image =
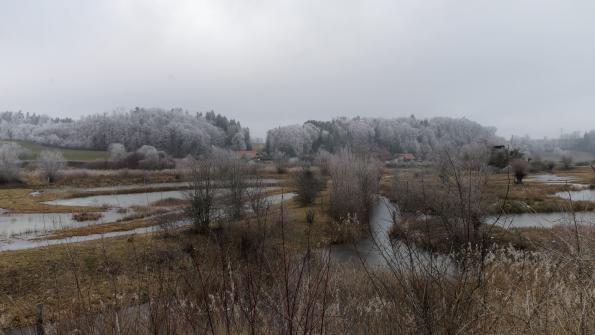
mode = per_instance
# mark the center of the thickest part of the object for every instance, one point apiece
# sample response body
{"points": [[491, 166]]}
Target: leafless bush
{"points": [[116, 153], [234, 173], [520, 168], [257, 199], [307, 185], [354, 184], [10, 164], [566, 162], [322, 160], [280, 162], [453, 192], [50, 164], [205, 177]]}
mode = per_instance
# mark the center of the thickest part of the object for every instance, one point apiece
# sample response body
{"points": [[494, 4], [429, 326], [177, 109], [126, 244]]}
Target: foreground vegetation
{"points": [[247, 266]]}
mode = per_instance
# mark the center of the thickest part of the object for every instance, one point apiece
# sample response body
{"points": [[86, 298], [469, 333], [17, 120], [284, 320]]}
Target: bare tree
{"points": [[452, 194], [280, 162], [234, 174], [205, 176], [51, 163], [519, 167], [307, 185], [257, 200], [354, 185], [566, 162], [116, 153], [9, 162]]}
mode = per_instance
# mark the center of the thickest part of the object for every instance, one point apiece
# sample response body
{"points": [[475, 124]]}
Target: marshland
{"points": [[305, 233], [297, 167]]}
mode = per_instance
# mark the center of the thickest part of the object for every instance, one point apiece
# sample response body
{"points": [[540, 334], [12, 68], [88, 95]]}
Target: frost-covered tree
{"points": [[365, 135], [354, 185], [50, 164], [150, 158], [175, 131], [10, 163], [293, 140], [116, 153], [520, 168]]}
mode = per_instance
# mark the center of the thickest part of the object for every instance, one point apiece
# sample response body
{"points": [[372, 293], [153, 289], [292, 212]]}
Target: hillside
{"points": [[69, 154]]}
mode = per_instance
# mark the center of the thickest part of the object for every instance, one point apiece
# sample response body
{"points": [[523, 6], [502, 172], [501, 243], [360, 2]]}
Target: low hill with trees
{"points": [[174, 131]]}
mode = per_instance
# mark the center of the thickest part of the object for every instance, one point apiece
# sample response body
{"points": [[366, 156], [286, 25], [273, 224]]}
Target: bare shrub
{"points": [[152, 159], [50, 164], [566, 163], [354, 184], [205, 176], [10, 164], [257, 199], [307, 185], [116, 153], [453, 192], [280, 161], [234, 173], [520, 168], [322, 160]]}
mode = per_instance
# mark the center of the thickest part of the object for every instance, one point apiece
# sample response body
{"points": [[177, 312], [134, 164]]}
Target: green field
{"points": [[69, 154]]}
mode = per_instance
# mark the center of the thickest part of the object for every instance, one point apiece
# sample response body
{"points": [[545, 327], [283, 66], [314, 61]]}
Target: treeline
{"points": [[400, 135], [569, 141], [174, 131]]}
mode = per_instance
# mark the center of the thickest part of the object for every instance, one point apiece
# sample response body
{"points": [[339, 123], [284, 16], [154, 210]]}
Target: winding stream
{"points": [[377, 249]]}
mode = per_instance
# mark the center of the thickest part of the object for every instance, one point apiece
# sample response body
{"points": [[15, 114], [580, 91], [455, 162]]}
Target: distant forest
{"points": [[175, 131], [179, 133], [399, 135]]}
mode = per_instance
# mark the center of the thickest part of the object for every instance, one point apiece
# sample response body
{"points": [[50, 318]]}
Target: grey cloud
{"points": [[503, 63]]}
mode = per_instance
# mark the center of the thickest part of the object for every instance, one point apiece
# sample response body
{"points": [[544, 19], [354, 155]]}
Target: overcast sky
{"points": [[523, 66]]}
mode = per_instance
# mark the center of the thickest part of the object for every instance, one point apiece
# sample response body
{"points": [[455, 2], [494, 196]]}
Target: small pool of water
{"points": [[17, 230], [19, 244], [181, 184], [551, 179], [545, 220], [135, 186], [12, 224], [120, 200], [582, 195]]}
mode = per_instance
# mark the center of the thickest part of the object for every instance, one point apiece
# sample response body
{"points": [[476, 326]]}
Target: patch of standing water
{"points": [[277, 198], [28, 244], [135, 199], [120, 200], [582, 195], [545, 220], [552, 179], [181, 184], [18, 244], [17, 224]]}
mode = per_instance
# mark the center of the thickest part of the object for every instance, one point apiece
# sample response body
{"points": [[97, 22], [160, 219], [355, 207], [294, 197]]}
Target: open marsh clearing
{"points": [[27, 230]]}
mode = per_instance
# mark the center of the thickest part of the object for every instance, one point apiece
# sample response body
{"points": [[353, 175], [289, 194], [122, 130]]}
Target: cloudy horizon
{"points": [[524, 67]]}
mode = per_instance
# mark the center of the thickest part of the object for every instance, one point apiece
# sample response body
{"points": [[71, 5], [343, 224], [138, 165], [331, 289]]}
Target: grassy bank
{"points": [[69, 154]]}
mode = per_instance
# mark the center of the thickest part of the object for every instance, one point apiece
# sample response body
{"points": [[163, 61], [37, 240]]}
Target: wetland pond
{"points": [[22, 230], [544, 220]]}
